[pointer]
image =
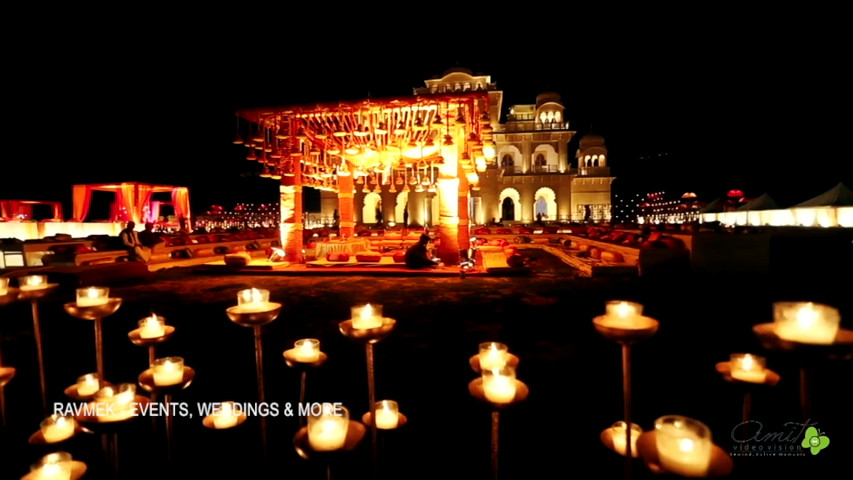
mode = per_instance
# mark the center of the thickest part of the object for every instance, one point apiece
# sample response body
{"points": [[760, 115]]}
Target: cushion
{"points": [[337, 257], [614, 257], [504, 231], [238, 259], [482, 231], [368, 257], [400, 257]]}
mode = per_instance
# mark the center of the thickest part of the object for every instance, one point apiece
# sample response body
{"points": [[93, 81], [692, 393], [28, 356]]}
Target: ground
{"points": [[574, 374]]}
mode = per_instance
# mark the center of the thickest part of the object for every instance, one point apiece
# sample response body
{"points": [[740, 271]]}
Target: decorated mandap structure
{"points": [[439, 157], [132, 201]]}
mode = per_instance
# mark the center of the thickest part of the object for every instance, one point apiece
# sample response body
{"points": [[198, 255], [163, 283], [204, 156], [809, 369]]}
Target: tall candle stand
{"points": [[369, 336], [34, 295], [257, 319], [96, 313], [146, 381], [41, 438], [293, 360], [109, 428], [769, 378], [626, 332], [476, 389], [806, 355], [7, 296]]}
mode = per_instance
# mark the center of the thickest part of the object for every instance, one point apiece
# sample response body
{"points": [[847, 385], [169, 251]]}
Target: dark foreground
{"points": [[573, 373]]}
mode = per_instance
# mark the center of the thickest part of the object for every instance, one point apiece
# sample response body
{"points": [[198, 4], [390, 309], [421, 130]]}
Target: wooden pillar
{"points": [[464, 218], [291, 213]]}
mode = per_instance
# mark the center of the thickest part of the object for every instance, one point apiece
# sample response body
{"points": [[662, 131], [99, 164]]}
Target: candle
{"points": [[168, 371], [747, 368], [54, 466], [253, 300], [806, 322], [328, 430], [493, 355], [4, 285], [32, 282], [307, 350], [87, 384], [367, 316], [499, 385], [684, 445], [57, 428], [619, 431], [92, 296], [152, 327], [387, 415], [114, 404], [227, 415], [623, 314]]}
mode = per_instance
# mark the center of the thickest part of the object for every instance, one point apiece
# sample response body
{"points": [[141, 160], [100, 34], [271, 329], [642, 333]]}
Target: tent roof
{"points": [[717, 206], [764, 202], [837, 196]]}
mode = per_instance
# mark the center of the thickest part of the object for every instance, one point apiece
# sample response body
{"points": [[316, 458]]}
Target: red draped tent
{"points": [[133, 201]]}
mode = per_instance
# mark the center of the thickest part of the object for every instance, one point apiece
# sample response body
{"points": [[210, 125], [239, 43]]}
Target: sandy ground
{"points": [[574, 374]]}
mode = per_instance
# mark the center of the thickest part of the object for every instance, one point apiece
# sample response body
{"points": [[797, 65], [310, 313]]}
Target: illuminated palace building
{"points": [[439, 158]]}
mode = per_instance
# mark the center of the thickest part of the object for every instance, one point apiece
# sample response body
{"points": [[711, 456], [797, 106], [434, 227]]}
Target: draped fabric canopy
{"points": [[133, 201], [23, 209]]}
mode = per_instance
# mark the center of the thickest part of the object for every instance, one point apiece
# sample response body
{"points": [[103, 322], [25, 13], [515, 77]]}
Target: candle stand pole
{"points": [[97, 314], [644, 328], [476, 389], [370, 336], [292, 361], [146, 381], [256, 320], [34, 296]]}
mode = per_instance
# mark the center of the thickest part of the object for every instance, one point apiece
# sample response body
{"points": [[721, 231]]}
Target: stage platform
{"points": [[266, 267]]}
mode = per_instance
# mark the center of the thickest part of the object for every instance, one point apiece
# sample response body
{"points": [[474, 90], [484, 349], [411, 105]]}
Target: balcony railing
{"points": [[532, 127], [534, 170]]}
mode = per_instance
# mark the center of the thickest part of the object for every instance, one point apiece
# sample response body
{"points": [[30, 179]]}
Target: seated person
{"points": [[130, 240], [148, 238], [417, 256]]}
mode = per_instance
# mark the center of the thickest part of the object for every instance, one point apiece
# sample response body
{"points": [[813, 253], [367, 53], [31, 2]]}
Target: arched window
{"points": [[541, 161], [507, 161]]}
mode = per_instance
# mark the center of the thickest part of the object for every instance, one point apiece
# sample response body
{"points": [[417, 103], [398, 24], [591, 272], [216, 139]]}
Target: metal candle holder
{"points": [[475, 388], [96, 313], [626, 337], [256, 320], [136, 338], [355, 434], [146, 381], [369, 336], [34, 296], [721, 462]]}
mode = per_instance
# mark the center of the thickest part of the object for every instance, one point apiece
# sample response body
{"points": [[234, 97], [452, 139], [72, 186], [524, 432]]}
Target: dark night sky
{"points": [[732, 107]]}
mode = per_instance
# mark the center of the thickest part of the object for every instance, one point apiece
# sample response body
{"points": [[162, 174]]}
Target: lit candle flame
{"points": [[806, 316], [623, 310], [748, 362], [367, 312], [685, 445]]}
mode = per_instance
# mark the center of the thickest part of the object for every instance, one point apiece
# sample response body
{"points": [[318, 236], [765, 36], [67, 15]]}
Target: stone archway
{"points": [[401, 215], [372, 201], [513, 196], [545, 200]]}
